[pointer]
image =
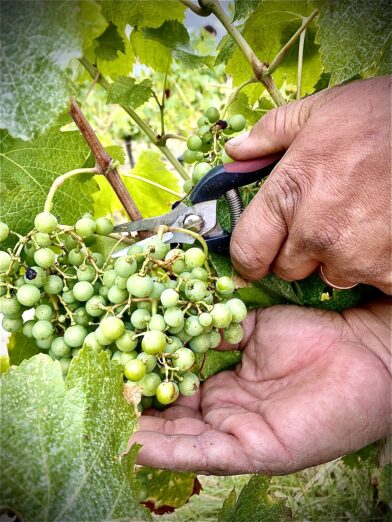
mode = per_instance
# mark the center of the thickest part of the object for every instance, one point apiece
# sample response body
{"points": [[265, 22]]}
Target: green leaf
{"points": [[109, 44], [166, 490], [150, 52], [20, 348], [63, 443], [121, 66], [28, 171], [213, 361], [267, 31], [192, 61], [243, 8], [38, 40], [254, 504], [117, 153], [107, 245], [225, 49], [354, 36], [91, 21], [126, 91], [171, 34]]}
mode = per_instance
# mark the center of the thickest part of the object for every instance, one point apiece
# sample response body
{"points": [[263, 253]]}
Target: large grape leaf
{"points": [[127, 91], [63, 443], [355, 36], [254, 504], [267, 30], [242, 8], [150, 52], [28, 170], [109, 44], [38, 41]]}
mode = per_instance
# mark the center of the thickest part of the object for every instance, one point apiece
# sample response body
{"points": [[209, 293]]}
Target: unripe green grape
{"points": [[199, 273], [200, 343], [127, 342], [173, 344], [144, 305], [195, 290], [36, 276], [205, 319], [98, 259], [44, 312], [28, 251], [173, 317], [192, 326], [109, 278], [176, 329], [225, 285], [86, 273], [212, 114], [145, 403], [207, 329], [140, 286], [75, 352], [42, 330], [75, 257], [83, 290], [156, 248], [203, 120], [92, 342], [5, 261], [90, 240], [149, 384], [167, 392], [45, 222], [203, 130], [121, 282], [157, 290], [28, 328], [207, 138], [189, 385], [226, 158], [184, 359], [104, 291], [190, 156], [125, 266], [104, 226], [4, 231], [75, 335], [215, 339], [171, 283], [70, 243], [169, 298], [228, 131], [60, 348], [176, 256], [112, 327], [234, 333], [237, 122], [157, 322], [194, 142], [54, 285], [149, 360], [195, 257], [200, 171], [81, 316], [10, 306], [221, 316], [94, 306], [153, 342], [116, 356], [68, 297], [136, 251], [45, 344], [42, 239], [125, 357], [184, 277], [11, 325], [116, 295], [140, 318], [85, 227], [28, 295], [188, 186], [238, 309], [135, 370], [65, 363]]}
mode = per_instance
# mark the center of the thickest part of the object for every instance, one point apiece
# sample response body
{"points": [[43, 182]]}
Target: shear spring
{"points": [[235, 205]]}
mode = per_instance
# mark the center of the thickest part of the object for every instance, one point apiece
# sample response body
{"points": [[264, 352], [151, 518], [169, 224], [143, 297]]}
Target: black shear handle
{"points": [[223, 178]]}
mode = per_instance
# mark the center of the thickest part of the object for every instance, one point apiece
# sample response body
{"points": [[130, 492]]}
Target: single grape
{"points": [[184, 359], [75, 257], [75, 335], [212, 114], [54, 285], [11, 325], [109, 278], [85, 227], [171, 283], [127, 342], [125, 357], [203, 120], [215, 339], [44, 344], [234, 333], [183, 335], [192, 326], [149, 384], [237, 308], [176, 257], [190, 156], [140, 318], [28, 251], [195, 290], [207, 138], [200, 343], [94, 306], [195, 257], [176, 329], [92, 342], [199, 273], [81, 316], [60, 348], [4, 231], [173, 317], [189, 385], [83, 290], [156, 248], [28, 295], [42, 239], [157, 322], [70, 243], [68, 297], [42, 330], [169, 298], [28, 328], [112, 327], [75, 352], [203, 130], [125, 266], [225, 285], [167, 392], [157, 289], [98, 259], [65, 363], [149, 360], [45, 222], [194, 142], [104, 291], [136, 251], [173, 343], [140, 286], [86, 273], [226, 158], [221, 316], [10, 306], [205, 319], [153, 342], [135, 370], [200, 171], [5, 261], [44, 312], [237, 122], [121, 282], [144, 305], [36, 276], [104, 226]]}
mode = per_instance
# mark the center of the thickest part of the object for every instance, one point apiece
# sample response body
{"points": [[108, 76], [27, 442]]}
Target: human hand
{"points": [[328, 201], [313, 385]]}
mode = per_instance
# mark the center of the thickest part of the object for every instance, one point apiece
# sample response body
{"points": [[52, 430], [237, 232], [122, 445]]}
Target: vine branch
{"points": [[104, 163], [196, 8]]}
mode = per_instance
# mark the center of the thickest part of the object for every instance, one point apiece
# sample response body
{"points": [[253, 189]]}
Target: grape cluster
{"points": [[206, 147], [150, 309]]}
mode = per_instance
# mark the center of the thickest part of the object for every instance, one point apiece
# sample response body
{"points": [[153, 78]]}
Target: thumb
{"points": [[275, 131]]}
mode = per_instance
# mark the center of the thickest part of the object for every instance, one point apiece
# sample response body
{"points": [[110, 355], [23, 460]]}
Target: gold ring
{"points": [[326, 281]]}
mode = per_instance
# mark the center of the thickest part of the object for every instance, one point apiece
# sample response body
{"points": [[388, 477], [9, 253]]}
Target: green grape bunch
{"points": [[151, 309], [205, 148]]}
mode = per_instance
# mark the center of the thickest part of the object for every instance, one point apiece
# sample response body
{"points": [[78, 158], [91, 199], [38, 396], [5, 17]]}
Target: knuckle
{"points": [[288, 190], [323, 240], [246, 259]]}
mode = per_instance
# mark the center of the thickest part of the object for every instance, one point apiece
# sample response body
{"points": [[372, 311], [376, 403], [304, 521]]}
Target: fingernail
{"points": [[239, 139]]}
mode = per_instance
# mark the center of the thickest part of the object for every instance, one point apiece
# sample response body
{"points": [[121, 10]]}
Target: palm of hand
{"points": [[307, 391]]}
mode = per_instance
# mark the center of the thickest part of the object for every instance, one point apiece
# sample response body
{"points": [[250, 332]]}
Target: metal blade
{"points": [[154, 222]]}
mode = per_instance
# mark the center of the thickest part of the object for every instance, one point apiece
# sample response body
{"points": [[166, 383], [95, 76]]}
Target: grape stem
{"points": [[58, 182], [154, 184], [235, 93]]}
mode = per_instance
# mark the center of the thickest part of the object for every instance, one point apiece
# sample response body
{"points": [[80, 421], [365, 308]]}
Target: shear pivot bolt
{"points": [[193, 222]]}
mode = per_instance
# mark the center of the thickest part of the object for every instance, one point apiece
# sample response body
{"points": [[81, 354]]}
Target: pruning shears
{"points": [[198, 211]]}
